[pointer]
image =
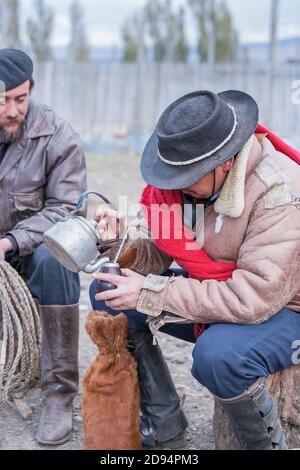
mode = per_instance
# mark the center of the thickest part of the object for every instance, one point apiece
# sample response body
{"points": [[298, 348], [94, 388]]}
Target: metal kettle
{"points": [[75, 241]]}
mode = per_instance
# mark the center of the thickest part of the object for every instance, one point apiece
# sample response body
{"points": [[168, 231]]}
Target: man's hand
{"points": [[127, 294], [5, 246], [109, 223]]}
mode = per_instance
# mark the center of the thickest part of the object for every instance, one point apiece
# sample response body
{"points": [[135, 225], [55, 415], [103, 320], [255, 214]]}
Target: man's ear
{"points": [[228, 165]]}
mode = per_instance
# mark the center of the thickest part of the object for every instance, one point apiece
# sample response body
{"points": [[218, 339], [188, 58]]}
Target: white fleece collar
{"points": [[231, 201]]}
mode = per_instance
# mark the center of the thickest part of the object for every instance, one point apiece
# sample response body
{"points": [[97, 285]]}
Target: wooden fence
{"points": [[117, 99]]}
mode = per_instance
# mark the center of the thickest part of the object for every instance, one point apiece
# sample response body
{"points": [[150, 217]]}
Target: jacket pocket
{"points": [[28, 202]]}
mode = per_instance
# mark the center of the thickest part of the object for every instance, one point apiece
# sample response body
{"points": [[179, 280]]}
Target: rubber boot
{"points": [[255, 418], [162, 422], [59, 372]]}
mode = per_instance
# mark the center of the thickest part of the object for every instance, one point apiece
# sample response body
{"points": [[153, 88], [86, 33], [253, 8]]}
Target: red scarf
{"points": [[177, 240]]}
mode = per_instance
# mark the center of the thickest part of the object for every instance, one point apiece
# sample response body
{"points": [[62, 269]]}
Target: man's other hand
{"points": [[5, 246]]}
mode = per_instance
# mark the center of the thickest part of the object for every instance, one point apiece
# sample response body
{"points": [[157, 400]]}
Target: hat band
{"points": [[208, 154]]}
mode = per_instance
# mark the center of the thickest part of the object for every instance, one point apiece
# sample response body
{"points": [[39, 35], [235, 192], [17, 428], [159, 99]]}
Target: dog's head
{"points": [[107, 331]]}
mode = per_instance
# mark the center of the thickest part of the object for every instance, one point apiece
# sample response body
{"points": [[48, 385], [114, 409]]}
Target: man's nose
{"points": [[12, 110]]}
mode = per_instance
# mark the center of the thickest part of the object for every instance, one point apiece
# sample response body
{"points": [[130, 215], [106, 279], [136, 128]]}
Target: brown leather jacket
{"points": [[259, 230], [41, 177]]}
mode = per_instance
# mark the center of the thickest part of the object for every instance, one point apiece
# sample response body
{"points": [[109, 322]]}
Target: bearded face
{"points": [[13, 109], [11, 130]]}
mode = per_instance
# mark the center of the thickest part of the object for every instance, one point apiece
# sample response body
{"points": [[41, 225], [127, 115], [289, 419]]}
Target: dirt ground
{"points": [[116, 176]]}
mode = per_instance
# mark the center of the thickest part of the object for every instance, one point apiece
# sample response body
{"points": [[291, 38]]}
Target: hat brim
{"points": [[164, 176]]}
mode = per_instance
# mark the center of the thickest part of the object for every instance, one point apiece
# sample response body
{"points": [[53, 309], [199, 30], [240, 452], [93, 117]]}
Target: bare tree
{"points": [[162, 30], [273, 30], [10, 23], [133, 38], [210, 31], [217, 36], [158, 36], [140, 57], [40, 30], [204, 14], [78, 48], [179, 51], [274, 18]]}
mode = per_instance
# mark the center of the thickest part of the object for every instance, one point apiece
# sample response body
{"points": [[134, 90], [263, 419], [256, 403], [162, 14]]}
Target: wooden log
{"points": [[21, 406], [285, 388]]}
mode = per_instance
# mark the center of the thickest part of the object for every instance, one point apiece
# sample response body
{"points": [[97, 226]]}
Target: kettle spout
{"points": [[92, 267]]}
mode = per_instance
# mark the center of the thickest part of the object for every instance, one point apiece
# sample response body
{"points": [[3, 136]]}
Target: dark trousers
{"points": [[48, 280], [229, 358]]}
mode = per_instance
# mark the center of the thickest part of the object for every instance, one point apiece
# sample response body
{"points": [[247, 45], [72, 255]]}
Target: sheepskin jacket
{"points": [[254, 223]]}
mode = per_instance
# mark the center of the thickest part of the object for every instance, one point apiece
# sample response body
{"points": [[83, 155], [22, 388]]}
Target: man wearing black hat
{"points": [[209, 162], [42, 173]]}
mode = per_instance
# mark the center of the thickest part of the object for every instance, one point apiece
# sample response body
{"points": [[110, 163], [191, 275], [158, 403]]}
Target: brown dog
{"points": [[110, 400]]}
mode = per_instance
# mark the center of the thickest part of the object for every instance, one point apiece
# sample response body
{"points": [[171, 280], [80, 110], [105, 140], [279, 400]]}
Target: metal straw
{"points": [[122, 244]]}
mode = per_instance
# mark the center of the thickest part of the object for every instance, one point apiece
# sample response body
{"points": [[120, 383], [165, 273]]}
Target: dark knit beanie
{"points": [[16, 67]]}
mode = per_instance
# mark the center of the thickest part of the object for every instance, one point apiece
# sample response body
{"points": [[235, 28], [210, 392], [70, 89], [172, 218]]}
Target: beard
{"points": [[7, 137]]}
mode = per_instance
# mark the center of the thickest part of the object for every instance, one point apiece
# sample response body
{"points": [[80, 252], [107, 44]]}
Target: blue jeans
{"points": [[229, 358], [47, 279]]}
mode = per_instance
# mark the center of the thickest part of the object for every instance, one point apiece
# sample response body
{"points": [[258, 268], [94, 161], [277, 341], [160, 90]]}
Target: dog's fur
{"points": [[110, 402]]}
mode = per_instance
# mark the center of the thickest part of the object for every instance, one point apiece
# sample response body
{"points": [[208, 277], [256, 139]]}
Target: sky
{"points": [[104, 19]]}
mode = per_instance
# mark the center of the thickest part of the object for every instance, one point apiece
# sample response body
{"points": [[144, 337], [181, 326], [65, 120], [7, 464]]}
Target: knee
{"points": [[44, 260], [50, 281], [218, 367]]}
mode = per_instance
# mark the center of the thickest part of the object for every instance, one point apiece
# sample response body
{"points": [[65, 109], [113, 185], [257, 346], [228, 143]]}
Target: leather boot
{"points": [[59, 372], [255, 418], [162, 422]]}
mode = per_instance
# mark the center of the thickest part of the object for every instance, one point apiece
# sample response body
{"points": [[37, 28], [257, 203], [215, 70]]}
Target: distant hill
{"points": [[97, 54], [287, 50]]}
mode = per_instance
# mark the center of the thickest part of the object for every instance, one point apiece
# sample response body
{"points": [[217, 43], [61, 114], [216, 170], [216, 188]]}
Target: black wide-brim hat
{"points": [[195, 135]]}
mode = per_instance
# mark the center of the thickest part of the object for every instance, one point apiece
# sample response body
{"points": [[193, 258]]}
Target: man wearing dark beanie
{"points": [[42, 173]]}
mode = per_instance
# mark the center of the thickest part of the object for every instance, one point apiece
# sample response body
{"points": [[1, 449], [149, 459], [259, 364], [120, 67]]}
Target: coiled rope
{"points": [[21, 338]]}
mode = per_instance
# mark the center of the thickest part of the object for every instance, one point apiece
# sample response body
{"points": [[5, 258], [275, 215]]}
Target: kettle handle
{"points": [[92, 267], [86, 193]]}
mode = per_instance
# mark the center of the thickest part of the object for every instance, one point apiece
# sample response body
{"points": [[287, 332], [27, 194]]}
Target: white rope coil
{"points": [[21, 337]]}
